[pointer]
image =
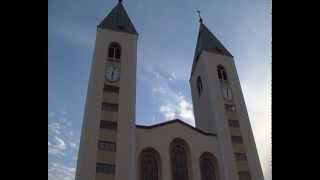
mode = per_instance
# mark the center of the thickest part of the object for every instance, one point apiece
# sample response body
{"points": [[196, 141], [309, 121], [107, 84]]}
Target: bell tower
{"points": [[219, 107], [107, 144]]}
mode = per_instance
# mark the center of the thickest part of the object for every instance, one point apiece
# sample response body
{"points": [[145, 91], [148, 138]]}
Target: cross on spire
{"points": [[200, 19], [120, 1]]}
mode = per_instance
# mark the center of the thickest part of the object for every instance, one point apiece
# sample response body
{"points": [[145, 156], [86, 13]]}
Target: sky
{"points": [[167, 38]]}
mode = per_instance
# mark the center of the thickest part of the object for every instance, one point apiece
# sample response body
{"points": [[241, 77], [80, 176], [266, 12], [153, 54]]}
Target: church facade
{"points": [[112, 147]]}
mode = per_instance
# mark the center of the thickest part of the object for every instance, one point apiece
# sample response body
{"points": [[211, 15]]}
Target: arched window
{"points": [[179, 154], [114, 51], [222, 74], [149, 165], [208, 167], [199, 86]]}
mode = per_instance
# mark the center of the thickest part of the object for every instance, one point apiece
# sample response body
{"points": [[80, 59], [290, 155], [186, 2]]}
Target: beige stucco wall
{"points": [[125, 134], [203, 117], [160, 138], [106, 157], [108, 135], [86, 164], [105, 176], [109, 115], [209, 108], [124, 159], [212, 61]]}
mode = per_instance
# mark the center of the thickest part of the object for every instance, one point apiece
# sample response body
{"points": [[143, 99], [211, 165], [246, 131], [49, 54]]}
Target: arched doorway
{"points": [[150, 165], [180, 160], [208, 167]]}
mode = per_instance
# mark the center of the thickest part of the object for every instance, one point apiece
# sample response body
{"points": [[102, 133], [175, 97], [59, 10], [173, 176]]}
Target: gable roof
{"points": [[176, 121], [118, 20]]}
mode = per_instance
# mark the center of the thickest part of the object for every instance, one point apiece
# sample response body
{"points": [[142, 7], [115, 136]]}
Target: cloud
{"points": [[73, 145], [62, 141], [55, 151], [178, 108], [186, 110], [58, 147], [170, 100], [168, 111], [172, 77], [57, 171], [54, 128], [159, 90]]}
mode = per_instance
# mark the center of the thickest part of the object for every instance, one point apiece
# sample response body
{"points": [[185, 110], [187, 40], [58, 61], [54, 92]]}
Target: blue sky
{"points": [[167, 38]]}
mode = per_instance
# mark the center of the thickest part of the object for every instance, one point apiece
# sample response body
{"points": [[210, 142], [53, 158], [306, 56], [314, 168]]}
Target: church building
{"points": [[221, 146]]}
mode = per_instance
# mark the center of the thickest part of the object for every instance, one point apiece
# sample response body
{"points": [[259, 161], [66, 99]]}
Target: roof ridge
{"points": [[176, 121]]}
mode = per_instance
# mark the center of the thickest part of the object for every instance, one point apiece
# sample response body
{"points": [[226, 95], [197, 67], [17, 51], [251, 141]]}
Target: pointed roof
{"points": [[207, 42], [118, 20]]}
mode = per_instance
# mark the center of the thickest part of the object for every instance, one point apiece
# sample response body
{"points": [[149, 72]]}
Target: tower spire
{"points": [[200, 18], [118, 20]]}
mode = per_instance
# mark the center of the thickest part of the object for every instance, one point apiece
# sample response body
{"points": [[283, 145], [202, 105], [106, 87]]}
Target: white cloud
{"points": [[57, 148], [158, 90], [174, 77], [178, 108], [73, 145], [60, 172], [168, 111], [60, 136], [62, 148], [55, 128], [60, 144], [172, 104], [54, 151], [186, 111]]}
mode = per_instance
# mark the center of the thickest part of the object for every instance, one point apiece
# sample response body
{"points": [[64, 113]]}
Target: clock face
{"points": [[227, 93], [112, 73]]}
